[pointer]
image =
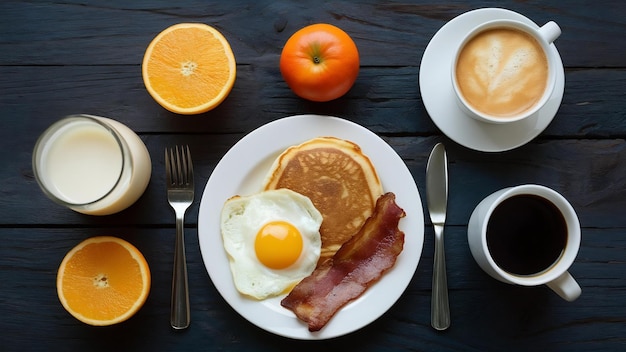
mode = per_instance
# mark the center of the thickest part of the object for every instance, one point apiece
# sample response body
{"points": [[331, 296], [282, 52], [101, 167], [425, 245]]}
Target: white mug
{"points": [[489, 243], [486, 76]]}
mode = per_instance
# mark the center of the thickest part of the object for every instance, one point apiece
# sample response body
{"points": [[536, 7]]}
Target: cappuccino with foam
{"points": [[502, 72]]}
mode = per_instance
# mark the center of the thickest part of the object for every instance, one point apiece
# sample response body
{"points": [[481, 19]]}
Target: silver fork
{"points": [[179, 173]]}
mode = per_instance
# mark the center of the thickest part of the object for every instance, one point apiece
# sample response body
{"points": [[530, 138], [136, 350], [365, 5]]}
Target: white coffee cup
{"points": [[484, 74], [492, 228]]}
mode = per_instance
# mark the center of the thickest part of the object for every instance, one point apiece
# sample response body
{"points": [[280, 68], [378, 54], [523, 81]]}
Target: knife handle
{"points": [[440, 309]]}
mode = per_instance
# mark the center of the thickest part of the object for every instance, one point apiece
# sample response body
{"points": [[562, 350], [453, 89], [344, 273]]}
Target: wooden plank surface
{"points": [[588, 172], [486, 314], [59, 58], [387, 33], [386, 100]]}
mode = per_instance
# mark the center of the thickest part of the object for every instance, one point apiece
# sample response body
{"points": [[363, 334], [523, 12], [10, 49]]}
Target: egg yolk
{"points": [[278, 244]]}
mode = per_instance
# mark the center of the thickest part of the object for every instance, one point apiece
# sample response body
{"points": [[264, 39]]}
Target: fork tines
{"points": [[178, 165]]}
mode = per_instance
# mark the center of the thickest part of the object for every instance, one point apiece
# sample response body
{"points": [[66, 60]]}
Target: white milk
{"points": [[93, 165]]}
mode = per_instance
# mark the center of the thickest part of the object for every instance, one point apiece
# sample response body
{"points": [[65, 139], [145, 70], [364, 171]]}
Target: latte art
{"points": [[502, 72]]}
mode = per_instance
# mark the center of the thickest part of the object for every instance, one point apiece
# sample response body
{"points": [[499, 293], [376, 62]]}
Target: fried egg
{"points": [[272, 240]]}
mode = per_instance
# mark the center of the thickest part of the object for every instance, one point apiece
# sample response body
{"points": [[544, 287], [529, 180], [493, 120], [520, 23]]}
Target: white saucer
{"points": [[438, 95]]}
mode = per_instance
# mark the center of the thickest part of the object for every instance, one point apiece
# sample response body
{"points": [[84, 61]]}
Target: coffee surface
{"points": [[526, 234], [502, 72]]}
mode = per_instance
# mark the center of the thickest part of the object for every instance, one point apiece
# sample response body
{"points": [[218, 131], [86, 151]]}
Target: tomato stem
{"points": [[316, 53]]}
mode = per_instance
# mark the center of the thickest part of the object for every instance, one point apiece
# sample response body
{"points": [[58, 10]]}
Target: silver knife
{"points": [[437, 199]]}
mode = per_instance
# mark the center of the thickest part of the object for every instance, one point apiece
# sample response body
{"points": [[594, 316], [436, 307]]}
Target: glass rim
{"points": [[50, 132]]}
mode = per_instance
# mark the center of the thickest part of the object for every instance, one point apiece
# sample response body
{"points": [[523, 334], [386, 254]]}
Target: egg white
{"points": [[243, 216]]}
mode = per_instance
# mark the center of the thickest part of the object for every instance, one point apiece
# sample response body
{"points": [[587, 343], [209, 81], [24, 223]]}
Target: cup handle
{"points": [[550, 31], [566, 287]]}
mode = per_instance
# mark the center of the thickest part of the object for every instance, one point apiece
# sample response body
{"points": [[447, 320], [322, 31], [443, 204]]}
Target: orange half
{"points": [[189, 68], [103, 281]]}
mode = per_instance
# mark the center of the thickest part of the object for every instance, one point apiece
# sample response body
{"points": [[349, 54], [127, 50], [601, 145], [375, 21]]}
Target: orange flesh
{"points": [[189, 68], [103, 282]]}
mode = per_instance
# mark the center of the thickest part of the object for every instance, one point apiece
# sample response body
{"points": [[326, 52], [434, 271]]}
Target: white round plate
{"points": [[438, 95], [242, 171]]}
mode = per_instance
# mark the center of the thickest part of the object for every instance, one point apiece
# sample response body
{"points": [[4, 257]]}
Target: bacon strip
{"points": [[357, 265]]}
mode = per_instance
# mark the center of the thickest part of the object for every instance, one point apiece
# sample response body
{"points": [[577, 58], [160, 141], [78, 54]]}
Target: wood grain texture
{"points": [[387, 33], [486, 314], [588, 172], [64, 57]]}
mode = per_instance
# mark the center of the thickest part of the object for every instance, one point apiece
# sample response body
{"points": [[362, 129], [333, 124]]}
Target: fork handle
{"points": [[180, 316]]}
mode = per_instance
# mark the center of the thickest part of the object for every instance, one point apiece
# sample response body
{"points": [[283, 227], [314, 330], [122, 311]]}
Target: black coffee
{"points": [[526, 234]]}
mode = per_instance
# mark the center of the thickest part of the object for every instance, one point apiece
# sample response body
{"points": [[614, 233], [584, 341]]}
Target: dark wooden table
{"points": [[59, 58]]}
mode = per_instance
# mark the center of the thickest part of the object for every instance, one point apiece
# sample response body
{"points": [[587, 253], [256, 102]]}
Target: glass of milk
{"points": [[92, 165]]}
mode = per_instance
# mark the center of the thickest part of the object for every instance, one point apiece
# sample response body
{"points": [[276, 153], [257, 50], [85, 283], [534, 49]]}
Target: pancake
{"points": [[338, 178]]}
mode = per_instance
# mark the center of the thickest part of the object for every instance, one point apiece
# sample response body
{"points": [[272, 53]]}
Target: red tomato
{"points": [[320, 62]]}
